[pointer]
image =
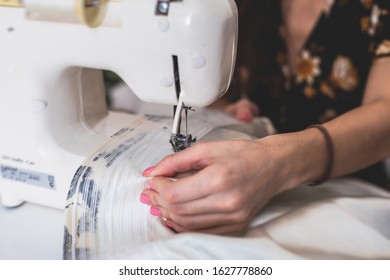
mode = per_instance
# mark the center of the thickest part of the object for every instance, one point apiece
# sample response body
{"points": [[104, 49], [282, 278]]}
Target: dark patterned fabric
{"points": [[330, 75]]}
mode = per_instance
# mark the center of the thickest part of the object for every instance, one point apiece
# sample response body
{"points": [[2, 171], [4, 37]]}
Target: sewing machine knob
{"points": [[166, 80], [38, 105], [91, 12], [198, 61], [163, 25]]}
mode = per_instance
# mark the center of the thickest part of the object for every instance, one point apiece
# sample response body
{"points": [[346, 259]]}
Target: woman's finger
{"points": [[212, 203], [192, 158], [204, 183], [197, 222], [215, 229]]}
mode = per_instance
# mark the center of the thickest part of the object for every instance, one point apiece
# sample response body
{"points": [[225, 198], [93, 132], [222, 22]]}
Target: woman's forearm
{"points": [[360, 138]]}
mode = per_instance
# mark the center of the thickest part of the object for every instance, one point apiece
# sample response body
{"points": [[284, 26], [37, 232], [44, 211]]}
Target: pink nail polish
{"points": [[148, 170], [150, 185], [155, 211], [145, 199]]}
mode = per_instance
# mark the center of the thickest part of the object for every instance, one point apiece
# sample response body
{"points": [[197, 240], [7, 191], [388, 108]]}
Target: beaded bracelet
{"points": [[329, 151]]}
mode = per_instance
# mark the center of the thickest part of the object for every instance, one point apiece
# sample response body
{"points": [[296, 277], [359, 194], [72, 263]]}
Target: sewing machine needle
{"points": [[177, 116], [180, 141]]}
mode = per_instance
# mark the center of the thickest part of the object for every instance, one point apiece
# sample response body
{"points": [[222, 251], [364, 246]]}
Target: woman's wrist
{"points": [[327, 173], [316, 156], [302, 156]]}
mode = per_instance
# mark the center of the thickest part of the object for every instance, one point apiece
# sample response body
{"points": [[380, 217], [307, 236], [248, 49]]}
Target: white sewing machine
{"points": [[53, 110]]}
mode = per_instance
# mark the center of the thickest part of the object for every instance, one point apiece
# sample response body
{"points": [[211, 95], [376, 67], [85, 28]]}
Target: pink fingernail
{"points": [[145, 199], [150, 185], [148, 170], [155, 211]]}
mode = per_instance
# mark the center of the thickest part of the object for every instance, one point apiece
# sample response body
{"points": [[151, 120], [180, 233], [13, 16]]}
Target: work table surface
{"points": [[31, 232]]}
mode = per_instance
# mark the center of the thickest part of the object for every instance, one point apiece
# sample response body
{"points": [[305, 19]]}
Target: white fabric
{"points": [[342, 219]]}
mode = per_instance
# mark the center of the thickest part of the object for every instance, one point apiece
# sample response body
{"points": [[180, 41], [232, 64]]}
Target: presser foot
{"points": [[181, 142]]}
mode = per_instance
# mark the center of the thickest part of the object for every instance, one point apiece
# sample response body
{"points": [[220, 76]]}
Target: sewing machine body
{"points": [[53, 108]]}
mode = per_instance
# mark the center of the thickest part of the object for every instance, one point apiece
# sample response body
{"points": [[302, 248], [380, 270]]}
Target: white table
{"points": [[31, 232]]}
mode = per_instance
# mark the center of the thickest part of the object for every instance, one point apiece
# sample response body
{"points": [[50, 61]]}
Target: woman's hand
{"points": [[243, 110], [230, 182]]}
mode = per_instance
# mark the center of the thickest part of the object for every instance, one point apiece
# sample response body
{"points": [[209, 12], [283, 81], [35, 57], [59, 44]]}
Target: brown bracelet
{"points": [[329, 152]]}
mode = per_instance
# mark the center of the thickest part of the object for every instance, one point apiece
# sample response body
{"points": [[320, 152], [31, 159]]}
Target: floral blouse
{"points": [[330, 75]]}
